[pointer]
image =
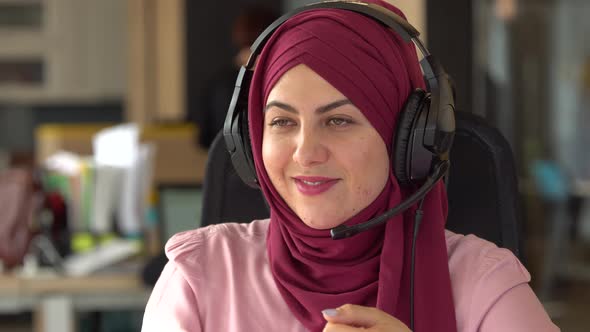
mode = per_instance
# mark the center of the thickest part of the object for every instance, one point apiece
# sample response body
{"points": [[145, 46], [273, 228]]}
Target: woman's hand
{"points": [[350, 317]]}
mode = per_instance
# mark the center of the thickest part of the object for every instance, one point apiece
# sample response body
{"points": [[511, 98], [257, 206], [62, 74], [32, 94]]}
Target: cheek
{"points": [[274, 160], [372, 167]]}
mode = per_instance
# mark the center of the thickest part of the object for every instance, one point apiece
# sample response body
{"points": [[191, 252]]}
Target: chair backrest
{"points": [[225, 197], [481, 186]]}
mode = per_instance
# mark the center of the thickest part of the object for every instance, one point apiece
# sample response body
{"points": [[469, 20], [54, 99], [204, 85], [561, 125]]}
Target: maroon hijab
{"points": [[376, 70]]}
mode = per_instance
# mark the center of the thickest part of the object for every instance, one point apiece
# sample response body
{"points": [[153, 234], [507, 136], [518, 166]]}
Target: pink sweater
{"points": [[218, 279]]}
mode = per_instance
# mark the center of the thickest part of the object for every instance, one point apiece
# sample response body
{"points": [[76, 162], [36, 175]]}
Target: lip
{"points": [[311, 190]]}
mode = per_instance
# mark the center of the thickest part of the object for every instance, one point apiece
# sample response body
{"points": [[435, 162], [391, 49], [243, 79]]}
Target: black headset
{"points": [[426, 125]]}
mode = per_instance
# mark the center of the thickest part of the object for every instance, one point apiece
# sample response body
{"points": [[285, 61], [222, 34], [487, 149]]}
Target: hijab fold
{"points": [[377, 71]]}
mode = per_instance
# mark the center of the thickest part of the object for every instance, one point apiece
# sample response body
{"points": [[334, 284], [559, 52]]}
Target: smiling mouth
{"points": [[314, 186], [312, 183]]}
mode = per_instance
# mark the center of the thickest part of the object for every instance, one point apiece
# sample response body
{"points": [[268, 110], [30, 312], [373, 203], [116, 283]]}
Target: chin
{"points": [[319, 222]]}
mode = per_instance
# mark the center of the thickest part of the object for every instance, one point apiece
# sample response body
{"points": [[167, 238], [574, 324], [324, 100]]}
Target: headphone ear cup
{"points": [[405, 127], [247, 147], [242, 159], [236, 132]]}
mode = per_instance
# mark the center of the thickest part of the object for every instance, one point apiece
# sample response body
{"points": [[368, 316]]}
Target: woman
{"points": [[323, 108]]}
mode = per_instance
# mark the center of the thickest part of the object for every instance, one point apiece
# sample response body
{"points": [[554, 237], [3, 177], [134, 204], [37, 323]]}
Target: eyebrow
{"points": [[320, 110]]}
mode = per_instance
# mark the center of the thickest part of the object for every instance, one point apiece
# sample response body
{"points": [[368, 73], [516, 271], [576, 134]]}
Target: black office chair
{"points": [[482, 185], [482, 190], [225, 197]]}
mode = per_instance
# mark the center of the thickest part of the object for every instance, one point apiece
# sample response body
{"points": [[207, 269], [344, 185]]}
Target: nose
{"points": [[310, 150]]}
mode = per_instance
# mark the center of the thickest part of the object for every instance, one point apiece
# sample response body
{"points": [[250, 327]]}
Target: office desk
{"points": [[55, 300]]}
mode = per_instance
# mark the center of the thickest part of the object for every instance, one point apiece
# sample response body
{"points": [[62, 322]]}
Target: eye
{"points": [[339, 122], [281, 122]]}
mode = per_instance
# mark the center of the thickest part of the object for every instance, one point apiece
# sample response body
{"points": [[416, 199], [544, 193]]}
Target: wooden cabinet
{"points": [[60, 51]]}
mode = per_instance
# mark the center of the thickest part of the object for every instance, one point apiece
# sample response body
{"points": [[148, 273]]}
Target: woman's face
{"points": [[322, 155]]}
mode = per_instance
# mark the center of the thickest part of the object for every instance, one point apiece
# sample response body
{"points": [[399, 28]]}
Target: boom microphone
{"points": [[438, 171]]}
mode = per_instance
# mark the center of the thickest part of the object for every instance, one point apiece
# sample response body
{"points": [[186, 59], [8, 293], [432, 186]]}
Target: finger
{"points": [[354, 315], [333, 327]]}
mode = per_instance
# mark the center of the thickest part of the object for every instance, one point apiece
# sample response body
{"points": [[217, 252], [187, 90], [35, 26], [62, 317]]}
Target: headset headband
{"points": [[441, 94]]}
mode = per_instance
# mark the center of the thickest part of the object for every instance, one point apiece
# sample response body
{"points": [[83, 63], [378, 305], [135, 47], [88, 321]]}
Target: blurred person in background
{"points": [[217, 91]]}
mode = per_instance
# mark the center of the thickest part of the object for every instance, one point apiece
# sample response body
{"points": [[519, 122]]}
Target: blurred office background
{"points": [[69, 68]]}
